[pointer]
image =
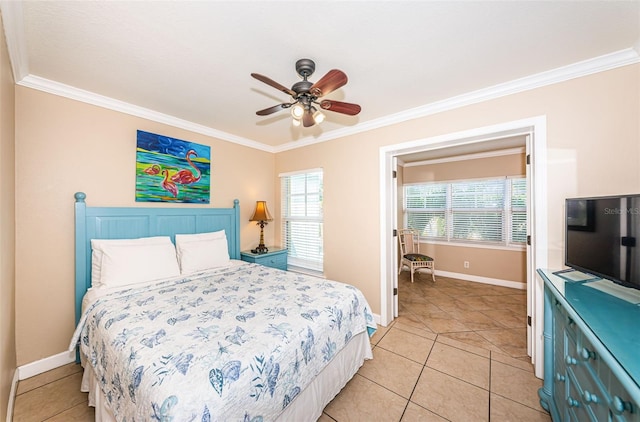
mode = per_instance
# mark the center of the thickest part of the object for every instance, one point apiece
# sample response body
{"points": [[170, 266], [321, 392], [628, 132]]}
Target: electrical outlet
{"points": [[466, 264]]}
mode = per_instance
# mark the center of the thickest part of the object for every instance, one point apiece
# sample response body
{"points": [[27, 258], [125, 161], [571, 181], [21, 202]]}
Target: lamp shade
{"points": [[297, 111], [261, 213]]}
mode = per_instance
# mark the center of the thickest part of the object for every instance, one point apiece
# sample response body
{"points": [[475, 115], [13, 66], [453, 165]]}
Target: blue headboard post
{"points": [[135, 222], [80, 251]]}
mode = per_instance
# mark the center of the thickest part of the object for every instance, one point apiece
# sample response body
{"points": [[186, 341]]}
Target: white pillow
{"points": [[197, 252], [117, 262], [183, 238]]}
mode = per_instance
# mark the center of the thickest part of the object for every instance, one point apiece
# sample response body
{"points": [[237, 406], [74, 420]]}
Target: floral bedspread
{"points": [[234, 345]]}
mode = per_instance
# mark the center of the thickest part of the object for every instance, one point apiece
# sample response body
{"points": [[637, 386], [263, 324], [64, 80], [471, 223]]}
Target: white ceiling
{"points": [[188, 63]]}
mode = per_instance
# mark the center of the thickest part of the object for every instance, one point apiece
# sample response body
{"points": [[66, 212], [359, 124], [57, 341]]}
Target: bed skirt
{"points": [[307, 406]]}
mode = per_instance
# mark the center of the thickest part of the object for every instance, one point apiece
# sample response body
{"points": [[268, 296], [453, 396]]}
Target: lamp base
{"points": [[260, 249]]}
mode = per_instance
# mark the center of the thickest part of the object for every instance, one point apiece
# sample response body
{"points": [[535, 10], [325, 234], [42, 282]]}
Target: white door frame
{"points": [[536, 127]]}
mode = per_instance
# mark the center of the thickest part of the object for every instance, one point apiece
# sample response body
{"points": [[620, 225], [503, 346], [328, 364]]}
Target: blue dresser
{"points": [[591, 350], [276, 258]]}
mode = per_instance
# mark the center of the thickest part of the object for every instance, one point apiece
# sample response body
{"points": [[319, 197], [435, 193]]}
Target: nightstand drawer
{"points": [[275, 258], [277, 261]]}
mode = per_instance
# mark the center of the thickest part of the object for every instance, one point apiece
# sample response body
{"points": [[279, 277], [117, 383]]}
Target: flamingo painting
{"points": [[168, 185], [185, 176], [172, 170]]}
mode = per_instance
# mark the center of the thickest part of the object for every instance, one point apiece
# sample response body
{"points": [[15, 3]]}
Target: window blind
{"points": [[518, 210], [491, 211], [302, 219], [426, 207], [477, 210]]}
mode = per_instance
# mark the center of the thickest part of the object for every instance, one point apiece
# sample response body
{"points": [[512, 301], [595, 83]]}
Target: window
{"points": [[488, 211], [302, 231]]}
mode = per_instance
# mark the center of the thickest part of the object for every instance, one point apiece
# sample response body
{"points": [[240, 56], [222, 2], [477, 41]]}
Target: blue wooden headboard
{"points": [[130, 223]]}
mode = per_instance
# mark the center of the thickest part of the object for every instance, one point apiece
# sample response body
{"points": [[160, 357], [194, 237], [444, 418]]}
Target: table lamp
{"points": [[261, 215]]}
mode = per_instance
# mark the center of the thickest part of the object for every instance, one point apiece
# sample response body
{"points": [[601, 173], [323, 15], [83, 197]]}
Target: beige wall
{"points": [[503, 165], [593, 139], [7, 228], [498, 264], [65, 146]]}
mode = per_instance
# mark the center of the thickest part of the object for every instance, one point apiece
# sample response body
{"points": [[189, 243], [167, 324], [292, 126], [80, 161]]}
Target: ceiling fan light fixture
{"points": [[296, 122], [318, 116], [297, 111]]}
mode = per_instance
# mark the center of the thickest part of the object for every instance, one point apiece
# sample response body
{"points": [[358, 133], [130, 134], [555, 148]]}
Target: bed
{"points": [[215, 339]]}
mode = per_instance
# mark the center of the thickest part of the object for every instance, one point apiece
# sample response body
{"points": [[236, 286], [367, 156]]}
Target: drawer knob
{"points": [[587, 354], [570, 360], [572, 402], [619, 406], [589, 397], [559, 377]]}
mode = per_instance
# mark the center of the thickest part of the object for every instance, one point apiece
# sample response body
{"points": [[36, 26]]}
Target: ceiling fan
{"points": [[305, 95]]}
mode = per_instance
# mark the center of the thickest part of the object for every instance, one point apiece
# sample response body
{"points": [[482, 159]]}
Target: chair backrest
{"points": [[409, 241]]}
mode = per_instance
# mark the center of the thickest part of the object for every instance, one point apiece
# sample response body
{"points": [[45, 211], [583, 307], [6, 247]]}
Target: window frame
{"points": [[307, 261]]}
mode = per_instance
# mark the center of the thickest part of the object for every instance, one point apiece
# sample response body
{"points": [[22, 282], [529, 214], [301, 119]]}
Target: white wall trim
{"points": [[479, 279], [43, 365], [12, 396]]}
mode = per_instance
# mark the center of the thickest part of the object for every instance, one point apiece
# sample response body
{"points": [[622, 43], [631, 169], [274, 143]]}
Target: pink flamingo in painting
{"points": [[154, 169], [168, 185], [186, 177]]}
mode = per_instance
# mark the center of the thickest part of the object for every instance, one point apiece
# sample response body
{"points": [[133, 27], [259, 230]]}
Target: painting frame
{"points": [[172, 170]]}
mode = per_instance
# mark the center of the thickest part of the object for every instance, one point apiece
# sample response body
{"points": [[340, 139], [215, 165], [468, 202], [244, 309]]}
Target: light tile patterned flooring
{"points": [[457, 352]]}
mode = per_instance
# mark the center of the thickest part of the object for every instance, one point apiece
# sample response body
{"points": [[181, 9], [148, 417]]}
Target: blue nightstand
{"points": [[275, 258]]}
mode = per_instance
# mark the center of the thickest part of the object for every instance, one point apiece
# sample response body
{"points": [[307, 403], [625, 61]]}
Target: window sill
{"points": [[476, 245]]}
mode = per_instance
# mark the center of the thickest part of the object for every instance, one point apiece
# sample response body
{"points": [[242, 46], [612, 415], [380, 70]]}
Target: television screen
{"points": [[601, 237]]}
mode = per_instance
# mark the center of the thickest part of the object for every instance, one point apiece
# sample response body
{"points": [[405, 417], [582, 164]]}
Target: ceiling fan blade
{"points": [[340, 107], [273, 109], [274, 84], [307, 119], [333, 80]]}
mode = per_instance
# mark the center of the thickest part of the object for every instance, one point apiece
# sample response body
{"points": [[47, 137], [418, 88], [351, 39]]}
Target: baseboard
{"points": [[43, 365], [12, 396], [485, 280]]}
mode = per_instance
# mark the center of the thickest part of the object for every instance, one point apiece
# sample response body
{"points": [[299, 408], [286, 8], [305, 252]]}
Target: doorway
{"points": [[535, 131]]}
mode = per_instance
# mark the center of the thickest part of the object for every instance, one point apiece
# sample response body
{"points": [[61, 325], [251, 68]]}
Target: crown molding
{"points": [[88, 97]]}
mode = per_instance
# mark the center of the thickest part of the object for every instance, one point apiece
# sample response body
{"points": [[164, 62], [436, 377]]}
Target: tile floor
{"points": [[457, 352]]}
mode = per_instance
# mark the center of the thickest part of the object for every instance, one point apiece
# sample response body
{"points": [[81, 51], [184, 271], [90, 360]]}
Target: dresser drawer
{"points": [[622, 406], [576, 408], [582, 365]]}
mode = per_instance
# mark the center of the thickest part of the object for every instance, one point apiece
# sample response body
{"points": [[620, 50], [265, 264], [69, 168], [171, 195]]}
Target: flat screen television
{"points": [[601, 237]]}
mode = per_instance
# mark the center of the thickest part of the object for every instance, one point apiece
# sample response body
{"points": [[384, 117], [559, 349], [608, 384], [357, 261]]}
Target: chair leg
{"points": [[413, 270], [433, 272]]}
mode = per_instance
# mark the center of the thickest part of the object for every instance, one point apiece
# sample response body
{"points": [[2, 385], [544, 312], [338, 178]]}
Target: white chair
{"points": [[410, 256]]}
